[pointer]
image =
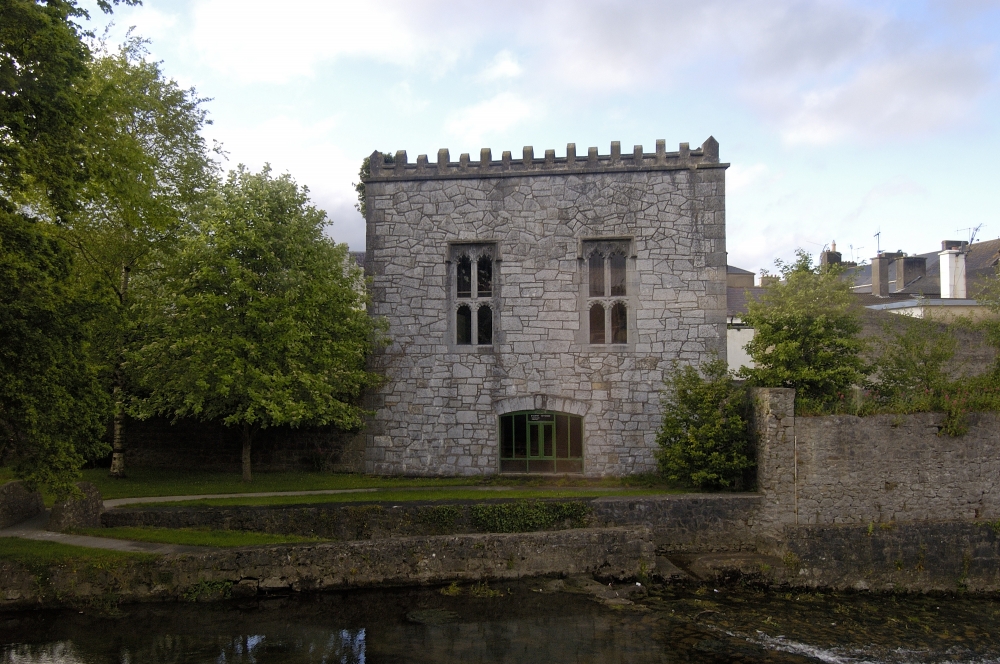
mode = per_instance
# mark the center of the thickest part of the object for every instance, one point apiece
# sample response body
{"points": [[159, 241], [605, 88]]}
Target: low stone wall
{"points": [[363, 521], [686, 522], [17, 504], [679, 523], [954, 556], [187, 444], [607, 553], [950, 556]]}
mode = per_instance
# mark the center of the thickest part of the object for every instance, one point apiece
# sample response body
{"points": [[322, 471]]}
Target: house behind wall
{"points": [[534, 304]]}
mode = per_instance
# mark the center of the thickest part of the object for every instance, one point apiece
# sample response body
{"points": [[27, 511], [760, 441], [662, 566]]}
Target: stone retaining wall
{"points": [[842, 469], [686, 522], [609, 553]]}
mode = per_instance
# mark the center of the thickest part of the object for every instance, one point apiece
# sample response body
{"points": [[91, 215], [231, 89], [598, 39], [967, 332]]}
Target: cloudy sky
{"points": [[840, 119]]}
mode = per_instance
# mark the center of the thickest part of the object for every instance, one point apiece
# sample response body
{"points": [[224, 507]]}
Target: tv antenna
{"points": [[973, 232], [855, 252], [878, 242]]}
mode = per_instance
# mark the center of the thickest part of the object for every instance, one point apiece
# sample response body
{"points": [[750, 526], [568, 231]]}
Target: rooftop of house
{"points": [[981, 259]]}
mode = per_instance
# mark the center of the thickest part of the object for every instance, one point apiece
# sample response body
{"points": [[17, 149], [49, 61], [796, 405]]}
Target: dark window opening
{"points": [[484, 277], [597, 324], [519, 422], [485, 325], [463, 325], [596, 271], [464, 277], [617, 263], [619, 323], [541, 442]]}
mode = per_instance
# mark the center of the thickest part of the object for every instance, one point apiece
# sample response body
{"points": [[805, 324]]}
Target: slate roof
{"points": [[359, 258], [980, 263]]}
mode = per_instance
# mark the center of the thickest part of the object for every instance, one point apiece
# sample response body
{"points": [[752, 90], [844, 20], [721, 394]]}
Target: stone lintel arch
{"points": [[541, 402]]}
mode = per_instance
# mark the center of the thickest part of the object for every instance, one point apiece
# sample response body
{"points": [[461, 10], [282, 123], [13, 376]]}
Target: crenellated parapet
{"points": [[685, 158]]}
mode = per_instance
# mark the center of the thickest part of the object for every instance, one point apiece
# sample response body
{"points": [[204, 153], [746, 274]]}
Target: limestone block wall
{"points": [[438, 412], [842, 469]]}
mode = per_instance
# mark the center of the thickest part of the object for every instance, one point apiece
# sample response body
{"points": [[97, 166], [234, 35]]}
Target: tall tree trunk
{"points": [[118, 431], [247, 437]]}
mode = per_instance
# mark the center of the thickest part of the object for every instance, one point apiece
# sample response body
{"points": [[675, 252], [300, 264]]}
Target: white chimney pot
{"points": [[952, 274]]}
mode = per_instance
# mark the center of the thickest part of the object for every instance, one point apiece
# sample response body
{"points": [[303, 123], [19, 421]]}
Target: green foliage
{"points": [[705, 438], [52, 406], [908, 373], [209, 591], [363, 174], [806, 336], [525, 516], [258, 319], [440, 517]]}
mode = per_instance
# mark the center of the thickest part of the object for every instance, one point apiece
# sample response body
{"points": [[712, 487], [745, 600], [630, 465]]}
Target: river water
{"points": [[523, 622]]}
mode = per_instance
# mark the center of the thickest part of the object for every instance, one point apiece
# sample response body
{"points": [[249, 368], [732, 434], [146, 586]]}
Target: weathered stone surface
{"points": [[921, 557], [841, 469], [612, 553], [81, 512], [437, 414], [685, 522], [17, 504]]}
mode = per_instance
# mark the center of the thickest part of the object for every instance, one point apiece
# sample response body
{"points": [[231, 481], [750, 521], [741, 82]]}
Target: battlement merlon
{"points": [[707, 156]]}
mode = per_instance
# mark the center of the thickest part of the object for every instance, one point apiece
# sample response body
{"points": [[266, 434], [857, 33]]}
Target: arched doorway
{"points": [[540, 441]]}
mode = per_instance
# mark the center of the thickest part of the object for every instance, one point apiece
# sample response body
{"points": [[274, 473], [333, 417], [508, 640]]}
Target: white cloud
{"points": [[472, 123], [504, 65], [261, 41], [740, 177], [905, 97]]}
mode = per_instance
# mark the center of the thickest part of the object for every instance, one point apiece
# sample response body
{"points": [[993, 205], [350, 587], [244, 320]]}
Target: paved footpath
{"points": [[34, 528]]}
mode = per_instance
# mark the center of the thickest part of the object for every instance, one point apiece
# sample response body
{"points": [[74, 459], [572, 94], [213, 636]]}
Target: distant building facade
{"points": [[533, 305]]}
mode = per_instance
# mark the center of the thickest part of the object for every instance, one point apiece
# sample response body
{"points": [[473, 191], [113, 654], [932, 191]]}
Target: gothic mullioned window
{"points": [[473, 294], [607, 290]]}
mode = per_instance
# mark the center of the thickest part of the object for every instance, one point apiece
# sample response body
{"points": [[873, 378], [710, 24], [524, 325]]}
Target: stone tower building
{"points": [[534, 304]]}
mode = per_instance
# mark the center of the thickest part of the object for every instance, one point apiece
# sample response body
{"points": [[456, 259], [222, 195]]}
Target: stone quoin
{"points": [[534, 304]]}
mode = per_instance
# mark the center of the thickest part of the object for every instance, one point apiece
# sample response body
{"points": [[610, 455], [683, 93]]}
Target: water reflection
{"points": [[523, 626]]}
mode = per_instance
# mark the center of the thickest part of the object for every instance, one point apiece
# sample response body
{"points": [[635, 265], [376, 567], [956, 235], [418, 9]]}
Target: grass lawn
{"points": [[35, 554], [147, 482], [144, 482], [193, 536], [397, 496]]}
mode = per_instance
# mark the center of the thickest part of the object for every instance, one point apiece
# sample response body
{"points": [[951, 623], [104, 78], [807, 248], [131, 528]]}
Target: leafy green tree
{"points": [[258, 320], [705, 439], [806, 329], [150, 174], [52, 405]]}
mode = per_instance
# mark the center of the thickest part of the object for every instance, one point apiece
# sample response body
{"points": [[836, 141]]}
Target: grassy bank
{"points": [[397, 495], [36, 554], [194, 536]]}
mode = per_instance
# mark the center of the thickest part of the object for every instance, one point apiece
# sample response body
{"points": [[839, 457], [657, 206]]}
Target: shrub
{"points": [[705, 439], [908, 372]]}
